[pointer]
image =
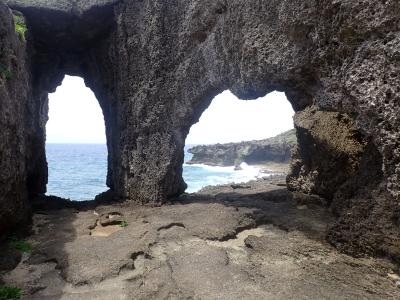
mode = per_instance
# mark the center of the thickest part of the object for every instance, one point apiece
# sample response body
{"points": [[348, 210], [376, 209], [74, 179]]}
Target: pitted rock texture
{"points": [[335, 161], [329, 153], [221, 243], [155, 66], [14, 121], [73, 7], [275, 149]]}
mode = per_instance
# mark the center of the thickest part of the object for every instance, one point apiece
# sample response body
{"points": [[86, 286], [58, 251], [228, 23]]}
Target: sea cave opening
{"points": [[236, 141], [76, 148]]}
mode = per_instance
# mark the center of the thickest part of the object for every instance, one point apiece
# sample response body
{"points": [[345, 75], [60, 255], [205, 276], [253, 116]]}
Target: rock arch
{"points": [[156, 65]]}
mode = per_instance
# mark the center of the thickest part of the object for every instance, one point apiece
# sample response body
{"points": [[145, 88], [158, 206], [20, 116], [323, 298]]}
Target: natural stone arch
{"points": [[145, 140], [155, 66], [59, 40]]}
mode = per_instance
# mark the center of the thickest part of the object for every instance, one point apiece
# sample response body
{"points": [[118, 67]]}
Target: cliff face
{"points": [[15, 108], [155, 66], [330, 152], [276, 149]]}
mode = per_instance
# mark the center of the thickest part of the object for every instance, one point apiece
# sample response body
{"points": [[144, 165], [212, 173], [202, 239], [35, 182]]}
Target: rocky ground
{"points": [[246, 241], [269, 168]]}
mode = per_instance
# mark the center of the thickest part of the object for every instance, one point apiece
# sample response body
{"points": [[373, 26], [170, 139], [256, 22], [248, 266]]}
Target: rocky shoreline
{"points": [[272, 150]]}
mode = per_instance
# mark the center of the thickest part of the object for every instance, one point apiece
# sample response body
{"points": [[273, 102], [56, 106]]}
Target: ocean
{"points": [[78, 171]]}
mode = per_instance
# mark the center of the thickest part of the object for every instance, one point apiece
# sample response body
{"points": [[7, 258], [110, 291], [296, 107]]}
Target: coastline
{"points": [[198, 176]]}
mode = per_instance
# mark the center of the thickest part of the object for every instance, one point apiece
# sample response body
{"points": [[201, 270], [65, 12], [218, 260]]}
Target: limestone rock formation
{"points": [[330, 152], [275, 149], [202, 248], [15, 120], [155, 66]]}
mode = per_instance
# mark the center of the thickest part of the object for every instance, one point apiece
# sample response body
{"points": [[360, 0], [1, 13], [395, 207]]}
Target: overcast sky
{"points": [[75, 117]]}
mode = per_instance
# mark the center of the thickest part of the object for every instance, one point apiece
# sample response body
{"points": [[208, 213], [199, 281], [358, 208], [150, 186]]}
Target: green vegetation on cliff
{"points": [[5, 73], [20, 245], [20, 27]]}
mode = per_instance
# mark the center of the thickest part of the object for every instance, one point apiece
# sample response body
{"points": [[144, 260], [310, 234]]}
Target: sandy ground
{"points": [[250, 241]]}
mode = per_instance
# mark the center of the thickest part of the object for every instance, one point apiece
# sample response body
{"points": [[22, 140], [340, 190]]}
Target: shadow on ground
{"points": [[249, 241]]}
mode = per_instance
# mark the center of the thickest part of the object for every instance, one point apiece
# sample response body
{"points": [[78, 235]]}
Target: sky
{"points": [[229, 119], [75, 117]]}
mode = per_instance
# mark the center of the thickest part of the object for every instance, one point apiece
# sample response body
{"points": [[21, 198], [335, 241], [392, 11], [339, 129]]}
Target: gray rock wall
{"points": [[14, 119], [329, 153], [317, 52]]}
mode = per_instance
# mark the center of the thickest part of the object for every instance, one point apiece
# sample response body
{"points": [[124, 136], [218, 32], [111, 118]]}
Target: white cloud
{"points": [[229, 119]]}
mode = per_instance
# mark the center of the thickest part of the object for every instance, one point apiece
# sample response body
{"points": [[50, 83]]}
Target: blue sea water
{"points": [[78, 171]]}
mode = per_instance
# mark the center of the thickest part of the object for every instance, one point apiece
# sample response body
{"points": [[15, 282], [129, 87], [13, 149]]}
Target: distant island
{"points": [[260, 152]]}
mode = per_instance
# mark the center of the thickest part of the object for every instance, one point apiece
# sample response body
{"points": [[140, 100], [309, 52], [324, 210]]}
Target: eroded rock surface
{"points": [[155, 66], [73, 7], [222, 243], [277, 149], [329, 153], [15, 122]]}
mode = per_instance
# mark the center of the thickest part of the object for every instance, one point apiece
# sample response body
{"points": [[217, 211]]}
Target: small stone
{"points": [[394, 277], [238, 168], [111, 219], [9, 259], [302, 207], [37, 259], [397, 284]]}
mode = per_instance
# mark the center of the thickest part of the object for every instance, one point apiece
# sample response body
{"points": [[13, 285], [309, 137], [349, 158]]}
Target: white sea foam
{"points": [[78, 172], [198, 176], [211, 168]]}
